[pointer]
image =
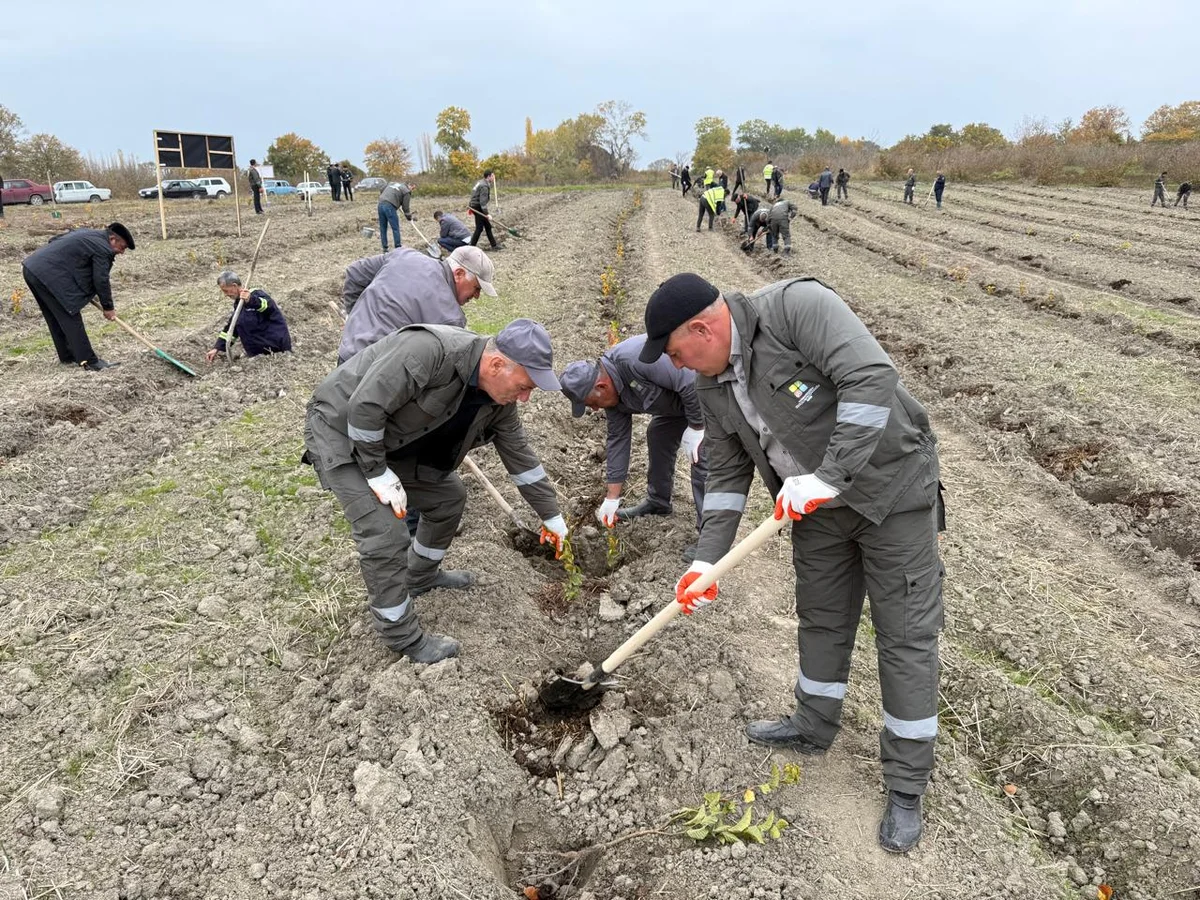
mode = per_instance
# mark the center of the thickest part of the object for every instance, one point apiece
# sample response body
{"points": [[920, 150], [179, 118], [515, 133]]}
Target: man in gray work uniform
{"points": [[393, 198], [793, 385], [394, 423], [622, 385]]}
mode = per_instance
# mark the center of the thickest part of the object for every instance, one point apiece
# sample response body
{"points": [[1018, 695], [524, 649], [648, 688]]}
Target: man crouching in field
{"points": [[792, 384], [261, 326], [393, 424]]}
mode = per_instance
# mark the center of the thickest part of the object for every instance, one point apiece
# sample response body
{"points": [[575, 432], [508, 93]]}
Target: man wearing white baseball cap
{"points": [[406, 287]]}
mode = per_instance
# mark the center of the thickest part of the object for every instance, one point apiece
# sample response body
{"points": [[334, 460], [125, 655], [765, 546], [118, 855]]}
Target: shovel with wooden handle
{"points": [[474, 469], [157, 352], [496, 222], [564, 696], [431, 248]]}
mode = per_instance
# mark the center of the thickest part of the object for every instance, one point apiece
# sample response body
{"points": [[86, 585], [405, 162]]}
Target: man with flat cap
{"points": [[393, 424], [793, 385], [64, 276], [623, 386], [407, 287]]}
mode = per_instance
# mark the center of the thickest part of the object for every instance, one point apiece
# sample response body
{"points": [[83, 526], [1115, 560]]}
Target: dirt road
{"points": [[194, 706]]}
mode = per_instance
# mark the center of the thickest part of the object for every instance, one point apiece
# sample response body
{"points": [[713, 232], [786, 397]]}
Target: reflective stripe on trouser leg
{"points": [[382, 542], [829, 598], [904, 579], [441, 501], [663, 436]]}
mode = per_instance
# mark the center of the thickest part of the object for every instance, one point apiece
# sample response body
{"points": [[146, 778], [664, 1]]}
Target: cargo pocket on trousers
{"points": [[923, 616]]}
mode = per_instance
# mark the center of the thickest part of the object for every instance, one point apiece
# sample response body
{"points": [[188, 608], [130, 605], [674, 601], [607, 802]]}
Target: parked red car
{"points": [[22, 190]]}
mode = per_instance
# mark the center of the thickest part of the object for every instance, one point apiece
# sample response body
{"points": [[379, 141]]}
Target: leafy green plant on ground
{"points": [[573, 588], [733, 820]]}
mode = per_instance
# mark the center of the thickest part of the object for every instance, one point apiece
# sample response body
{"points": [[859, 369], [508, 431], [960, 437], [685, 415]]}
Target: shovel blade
{"points": [[434, 251], [176, 363], [563, 697]]}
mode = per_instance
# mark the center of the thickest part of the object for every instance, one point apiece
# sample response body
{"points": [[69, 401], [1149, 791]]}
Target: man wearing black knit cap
{"points": [[65, 275], [792, 384]]}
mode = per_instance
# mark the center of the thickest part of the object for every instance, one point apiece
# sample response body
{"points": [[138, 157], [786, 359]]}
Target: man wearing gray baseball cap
{"points": [[392, 425], [623, 386]]}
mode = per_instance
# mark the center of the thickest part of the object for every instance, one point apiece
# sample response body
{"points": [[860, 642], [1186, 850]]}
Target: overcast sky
{"points": [[103, 76]]}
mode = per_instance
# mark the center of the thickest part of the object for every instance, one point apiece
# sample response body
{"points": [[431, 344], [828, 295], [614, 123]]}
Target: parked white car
{"points": [[79, 192], [216, 187], [311, 187]]}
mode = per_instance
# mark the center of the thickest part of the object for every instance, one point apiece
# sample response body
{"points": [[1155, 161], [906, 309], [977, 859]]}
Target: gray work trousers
{"points": [[908, 193], [1159, 197], [663, 437], [839, 556], [780, 228], [843, 191], [390, 562]]}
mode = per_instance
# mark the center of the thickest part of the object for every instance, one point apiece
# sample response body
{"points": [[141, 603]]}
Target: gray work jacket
{"points": [[831, 396], [405, 386], [656, 388], [393, 290], [481, 194], [399, 196]]}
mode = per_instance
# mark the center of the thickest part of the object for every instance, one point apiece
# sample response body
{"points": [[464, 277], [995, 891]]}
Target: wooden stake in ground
{"points": [[237, 311]]}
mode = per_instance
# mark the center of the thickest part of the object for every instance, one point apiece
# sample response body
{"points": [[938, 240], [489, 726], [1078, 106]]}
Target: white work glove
{"points": [[691, 443], [388, 489], [554, 533], [607, 513], [801, 494], [688, 599]]}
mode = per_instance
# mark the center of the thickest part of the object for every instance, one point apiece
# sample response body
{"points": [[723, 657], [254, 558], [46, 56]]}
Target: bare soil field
{"points": [[193, 705]]}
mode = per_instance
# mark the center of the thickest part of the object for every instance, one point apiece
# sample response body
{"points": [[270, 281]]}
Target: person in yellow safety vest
{"points": [[710, 177], [710, 201], [768, 171]]}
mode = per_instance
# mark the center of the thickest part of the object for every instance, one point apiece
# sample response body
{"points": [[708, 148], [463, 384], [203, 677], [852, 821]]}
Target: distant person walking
{"points": [[768, 176], [710, 203], [674, 176], [1185, 191], [1160, 191], [910, 185], [723, 183], [452, 232], [347, 177], [824, 183], [843, 184], [392, 198], [334, 175], [481, 195], [255, 187], [777, 181], [939, 185], [685, 180], [1, 196], [739, 181]]}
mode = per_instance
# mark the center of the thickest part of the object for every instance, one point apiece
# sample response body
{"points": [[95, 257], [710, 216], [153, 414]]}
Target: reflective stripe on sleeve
{"points": [[722, 500], [223, 336], [529, 477], [863, 414], [262, 307], [362, 435], [834, 690], [913, 729]]}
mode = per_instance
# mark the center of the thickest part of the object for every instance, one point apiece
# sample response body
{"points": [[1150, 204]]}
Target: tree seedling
{"points": [[732, 820]]}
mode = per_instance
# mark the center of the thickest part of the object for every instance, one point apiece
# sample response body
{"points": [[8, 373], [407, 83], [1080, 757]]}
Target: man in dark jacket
{"points": [[452, 233], [1184, 191], [392, 198], [824, 183], [1, 196], [255, 186], [1160, 191], [392, 425], [843, 184], [910, 184], [481, 195], [261, 327], [745, 206], [347, 188], [777, 181], [685, 180], [624, 386], [794, 385], [939, 185], [64, 276], [333, 175]]}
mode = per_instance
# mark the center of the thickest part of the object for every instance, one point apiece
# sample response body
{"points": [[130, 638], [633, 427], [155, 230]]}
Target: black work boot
{"points": [[97, 364], [783, 734], [901, 826], [431, 648], [453, 579], [647, 507]]}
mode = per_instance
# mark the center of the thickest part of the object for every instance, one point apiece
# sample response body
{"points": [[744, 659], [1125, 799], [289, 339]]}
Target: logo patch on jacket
{"points": [[802, 392]]}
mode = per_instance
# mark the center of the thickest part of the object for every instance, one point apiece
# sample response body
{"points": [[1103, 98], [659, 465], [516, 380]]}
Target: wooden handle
{"points": [[721, 567], [490, 488], [128, 328], [337, 309], [237, 310]]}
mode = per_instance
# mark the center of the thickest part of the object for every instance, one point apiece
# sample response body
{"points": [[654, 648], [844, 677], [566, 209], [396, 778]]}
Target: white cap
{"points": [[475, 261]]}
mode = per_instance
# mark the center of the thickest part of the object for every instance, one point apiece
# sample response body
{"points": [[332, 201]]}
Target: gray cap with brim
{"points": [[527, 343], [577, 381]]}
